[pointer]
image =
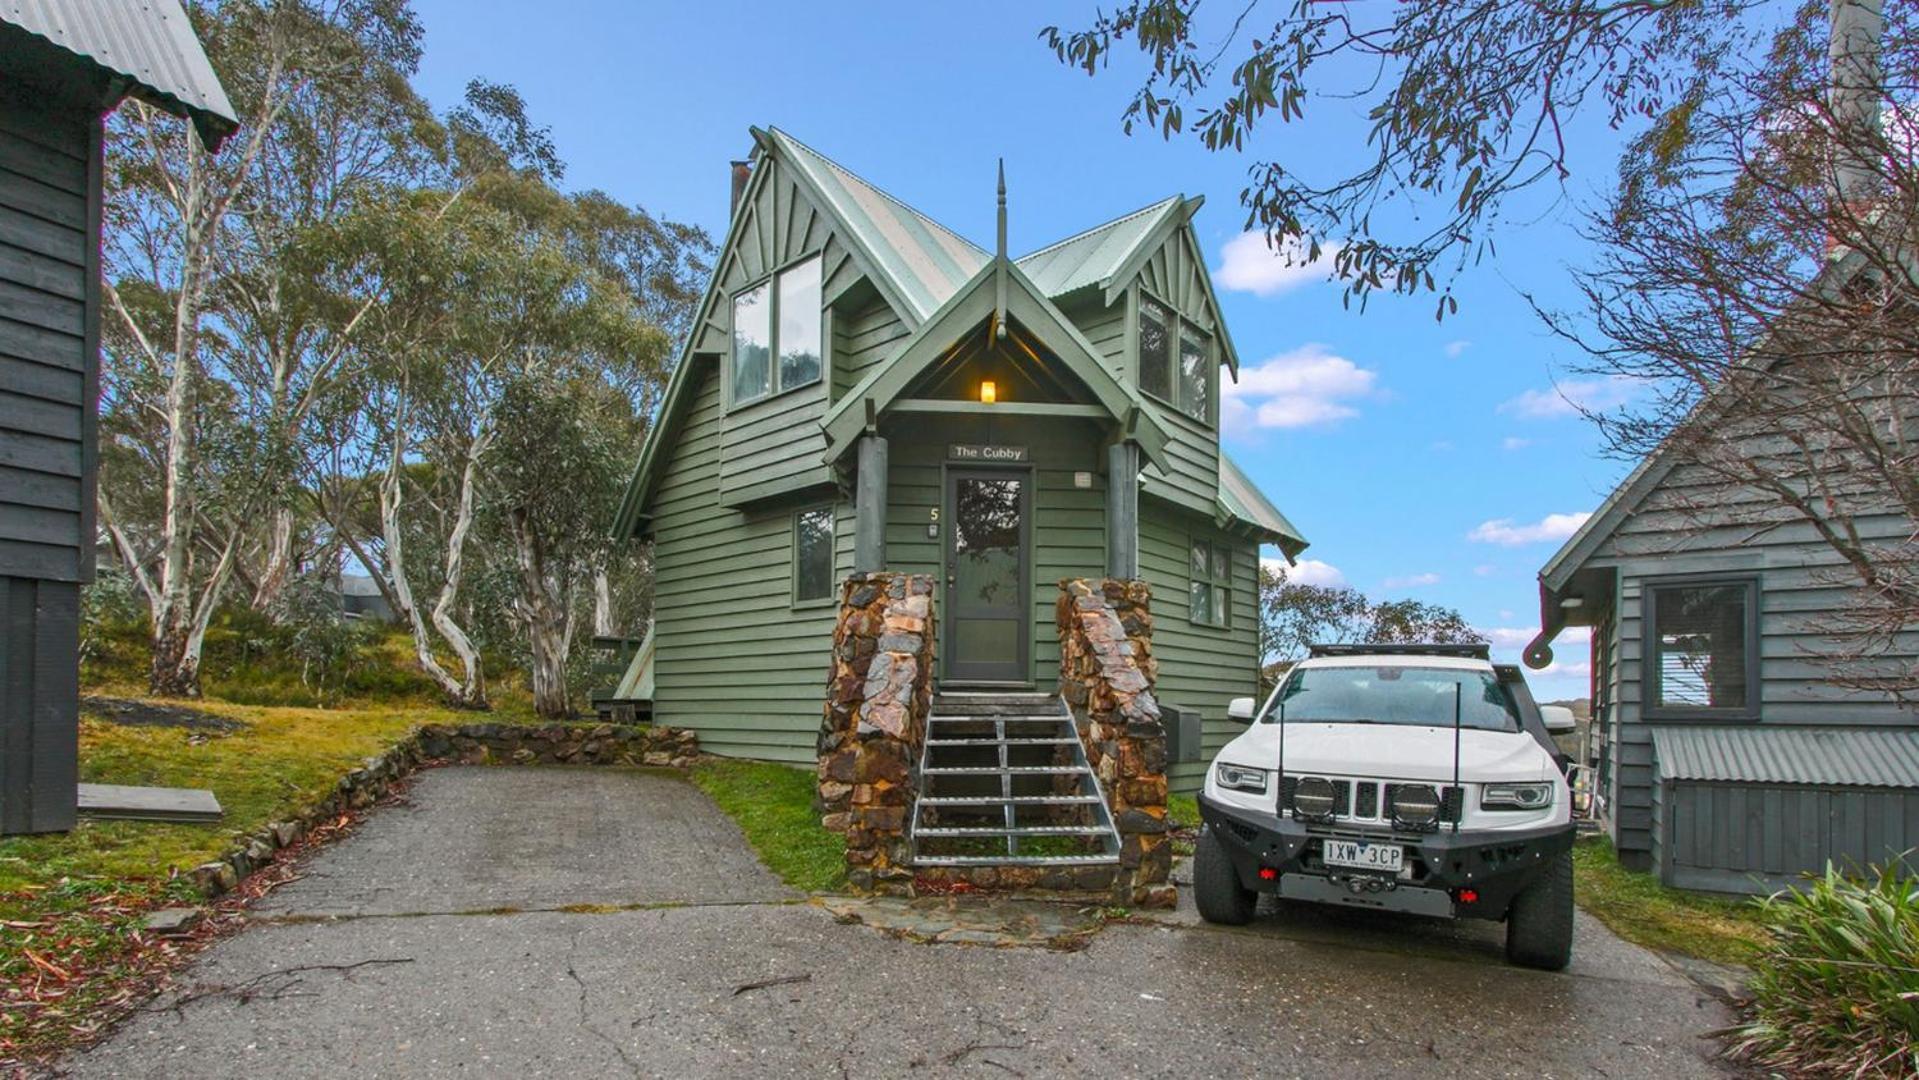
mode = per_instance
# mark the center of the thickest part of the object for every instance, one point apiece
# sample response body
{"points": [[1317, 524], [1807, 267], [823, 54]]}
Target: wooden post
{"points": [[869, 503], [1122, 510]]}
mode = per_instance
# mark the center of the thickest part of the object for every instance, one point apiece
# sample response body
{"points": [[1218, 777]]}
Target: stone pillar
{"points": [[1106, 673], [879, 690], [869, 504], [1122, 511]]}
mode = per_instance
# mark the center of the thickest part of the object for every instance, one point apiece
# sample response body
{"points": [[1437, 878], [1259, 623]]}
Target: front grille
{"points": [[1342, 794], [1368, 800], [1366, 805]]}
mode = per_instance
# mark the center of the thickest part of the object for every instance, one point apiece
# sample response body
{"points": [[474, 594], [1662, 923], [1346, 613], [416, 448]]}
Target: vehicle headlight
{"points": [[1413, 804], [1240, 778], [1516, 796]]}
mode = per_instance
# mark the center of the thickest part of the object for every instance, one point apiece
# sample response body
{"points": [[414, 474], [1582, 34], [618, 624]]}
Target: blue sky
{"points": [[1433, 460]]}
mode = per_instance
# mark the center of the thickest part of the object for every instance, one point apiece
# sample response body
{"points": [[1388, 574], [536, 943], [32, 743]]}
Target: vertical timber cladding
{"points": [[49, 371], [1068, 527]]}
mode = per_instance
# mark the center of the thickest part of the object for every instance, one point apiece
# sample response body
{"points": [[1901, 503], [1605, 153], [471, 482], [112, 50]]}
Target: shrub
{"points": [[1837, 992]]}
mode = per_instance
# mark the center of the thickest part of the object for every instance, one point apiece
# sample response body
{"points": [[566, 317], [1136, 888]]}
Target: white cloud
{"points": [[1509, 533], [1306, 387], [1485, 570], [1454, 349], [1572, 397], [1514, 442], [1307, 571], [1411, 581], [1248, 264]]}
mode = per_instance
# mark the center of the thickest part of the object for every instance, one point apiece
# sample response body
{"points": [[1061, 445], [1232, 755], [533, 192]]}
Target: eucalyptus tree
{"points": [[188, 305], [1460, 105]]}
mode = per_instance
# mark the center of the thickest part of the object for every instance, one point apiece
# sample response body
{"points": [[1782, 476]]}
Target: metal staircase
{"points": [[1004, 782]]}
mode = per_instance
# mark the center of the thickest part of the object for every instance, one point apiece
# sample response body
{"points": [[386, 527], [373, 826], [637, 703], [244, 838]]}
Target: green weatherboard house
{"points": [[864, 389]]}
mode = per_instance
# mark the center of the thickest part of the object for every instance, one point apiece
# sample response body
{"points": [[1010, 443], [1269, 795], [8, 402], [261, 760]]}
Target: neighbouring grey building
{"points": [[1732, 752], [64, 64]]}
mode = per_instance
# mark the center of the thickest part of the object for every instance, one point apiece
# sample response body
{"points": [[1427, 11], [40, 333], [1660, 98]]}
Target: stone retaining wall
{"points": [[466, 744], [879, 690], [1107, 673]]}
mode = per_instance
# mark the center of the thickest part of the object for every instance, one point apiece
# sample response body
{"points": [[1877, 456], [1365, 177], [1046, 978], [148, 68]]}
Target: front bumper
{"points": [[1444, 867]]}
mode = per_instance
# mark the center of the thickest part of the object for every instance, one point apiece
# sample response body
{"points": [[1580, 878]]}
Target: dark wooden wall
{"points": [[49, 372]]}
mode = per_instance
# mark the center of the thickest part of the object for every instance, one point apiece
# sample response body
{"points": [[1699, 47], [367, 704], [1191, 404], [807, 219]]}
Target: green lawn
{"points": [[773, 805], [1638, 908]]}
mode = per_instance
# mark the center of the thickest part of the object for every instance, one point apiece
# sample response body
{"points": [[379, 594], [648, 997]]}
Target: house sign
{"points": [[973, 452]]}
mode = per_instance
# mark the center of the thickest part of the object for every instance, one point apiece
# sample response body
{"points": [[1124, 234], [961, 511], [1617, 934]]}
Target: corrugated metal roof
{"points": [[1094, 256], [148, 41], [1843, 757], [1241, 499], [925, 260]]}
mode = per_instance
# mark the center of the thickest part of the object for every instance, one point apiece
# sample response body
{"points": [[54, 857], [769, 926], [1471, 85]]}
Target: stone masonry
{"points": [[879, 690], [1107, 673]]}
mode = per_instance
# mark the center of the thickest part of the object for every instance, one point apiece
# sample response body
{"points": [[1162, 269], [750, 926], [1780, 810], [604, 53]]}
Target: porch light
{"points": [[988, 392]]}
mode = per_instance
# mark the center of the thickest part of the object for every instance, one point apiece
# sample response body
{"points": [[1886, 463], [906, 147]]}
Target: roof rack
{"points": [[1477, 650]]}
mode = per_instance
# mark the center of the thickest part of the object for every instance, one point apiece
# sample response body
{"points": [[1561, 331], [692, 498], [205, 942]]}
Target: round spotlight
{"points": [[1415, 804], [1314, 798]]}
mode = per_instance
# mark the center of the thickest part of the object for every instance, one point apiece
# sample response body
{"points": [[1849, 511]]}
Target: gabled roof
{"points": [[148, 47], [1095, 256], [1025, 305], [925, 261], [1241, 500]]}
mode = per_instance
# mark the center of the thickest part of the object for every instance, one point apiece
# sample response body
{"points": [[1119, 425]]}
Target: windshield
{"points": [[1393, 695]]}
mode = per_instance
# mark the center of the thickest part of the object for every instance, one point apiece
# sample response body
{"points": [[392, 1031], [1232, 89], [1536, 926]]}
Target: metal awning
{"points": [[1828, 757]]}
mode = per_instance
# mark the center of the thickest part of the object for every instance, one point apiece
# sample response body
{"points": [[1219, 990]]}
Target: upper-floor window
{"points": [[1175, 360], [1211, 575], [776, 333], [1702, 648]]}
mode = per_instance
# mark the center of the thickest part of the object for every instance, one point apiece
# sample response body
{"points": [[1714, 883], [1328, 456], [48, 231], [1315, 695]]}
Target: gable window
{"points": [[1702, 651], [776, 333], [1175, 360], [813, 554], [1211, 575]]}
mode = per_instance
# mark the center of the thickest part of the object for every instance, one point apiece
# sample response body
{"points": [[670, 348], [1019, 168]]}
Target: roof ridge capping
{"points": [[930, 220]]}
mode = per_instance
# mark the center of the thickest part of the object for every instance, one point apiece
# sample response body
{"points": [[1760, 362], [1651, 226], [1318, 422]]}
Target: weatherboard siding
{"points": [[736, 661], [49, 177], [1201, 668]]}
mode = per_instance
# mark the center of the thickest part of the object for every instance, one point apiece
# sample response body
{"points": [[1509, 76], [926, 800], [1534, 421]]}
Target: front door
{"points": [[988, 600]]}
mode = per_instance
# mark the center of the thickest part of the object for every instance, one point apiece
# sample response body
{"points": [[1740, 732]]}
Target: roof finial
{"points": [[999, 308]]}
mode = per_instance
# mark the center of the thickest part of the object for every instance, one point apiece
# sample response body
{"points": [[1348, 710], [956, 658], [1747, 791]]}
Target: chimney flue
{"points": [[1857, 26], [742, 172]]}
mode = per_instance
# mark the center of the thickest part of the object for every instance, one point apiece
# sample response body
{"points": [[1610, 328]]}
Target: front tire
{"points": [[1216, 888], [1539, 927]]}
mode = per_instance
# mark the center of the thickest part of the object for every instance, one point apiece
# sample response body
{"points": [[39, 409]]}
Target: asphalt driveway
{"points": [[644, 939]]}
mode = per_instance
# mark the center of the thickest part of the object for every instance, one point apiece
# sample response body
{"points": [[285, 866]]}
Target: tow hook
{"points": [[1359, 883]]}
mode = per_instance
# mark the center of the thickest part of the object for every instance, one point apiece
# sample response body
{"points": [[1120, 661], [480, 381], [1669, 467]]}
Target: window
{"points": [[813, 555], [1211, 574], [779, 317], [1175, 361], [1395, 694], [1702, 651]]}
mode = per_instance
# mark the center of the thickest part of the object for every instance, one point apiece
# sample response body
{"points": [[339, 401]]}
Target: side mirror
{"points": [[1241, 709], [1559, 719]]}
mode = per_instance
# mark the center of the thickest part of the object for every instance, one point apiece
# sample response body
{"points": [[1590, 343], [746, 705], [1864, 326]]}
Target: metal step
{"points": [[1014, 741], [1017, 830], [1006, 770], [1015, 860], [1002, 800]]}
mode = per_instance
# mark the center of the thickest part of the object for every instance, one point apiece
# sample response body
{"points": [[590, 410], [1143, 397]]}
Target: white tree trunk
{"points": [[602, 604]]}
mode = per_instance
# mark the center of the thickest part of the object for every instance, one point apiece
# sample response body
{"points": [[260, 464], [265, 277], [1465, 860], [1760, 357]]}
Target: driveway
{"points": [[393, 957]]}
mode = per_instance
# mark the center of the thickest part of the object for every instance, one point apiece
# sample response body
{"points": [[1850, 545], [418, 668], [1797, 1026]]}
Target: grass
{"points": [[1640, 909], [773, 805]]}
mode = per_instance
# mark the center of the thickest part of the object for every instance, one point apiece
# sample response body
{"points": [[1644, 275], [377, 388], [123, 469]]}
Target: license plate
{"points": [[1360, 855]]}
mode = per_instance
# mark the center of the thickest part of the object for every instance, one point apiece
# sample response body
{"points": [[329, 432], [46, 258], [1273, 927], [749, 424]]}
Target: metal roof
{"points": [[1242, 500], [149, 42], [1094, 256], [927, 261], [1832, 757]]}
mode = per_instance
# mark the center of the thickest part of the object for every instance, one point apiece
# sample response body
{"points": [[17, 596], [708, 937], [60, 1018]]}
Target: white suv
{"points": [[1416, 778]]}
